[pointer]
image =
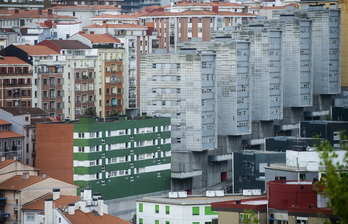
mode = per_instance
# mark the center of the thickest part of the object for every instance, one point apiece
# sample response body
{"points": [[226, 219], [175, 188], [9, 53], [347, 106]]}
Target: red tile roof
{"points": [[111, 16], [193, 13], [100, 38], [120, 26], [37, 49], [64, 44], [9, 134], [6, 163], [91, 218], [3, 122], [35, 14], [62, 201], [11, 60], [24, 110], [17, 182], [84, 7]]}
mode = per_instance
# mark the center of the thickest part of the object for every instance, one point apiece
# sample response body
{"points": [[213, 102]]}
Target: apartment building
{"points": [[118, 158], [10, 142], [183, 86], [189, 20], [16, 82], [18, 139], [21, 21], [46, 76], [111, 82], [23, 184], [180, 208], [286, 202], [78, 61], [83, 13], [58, 208]]}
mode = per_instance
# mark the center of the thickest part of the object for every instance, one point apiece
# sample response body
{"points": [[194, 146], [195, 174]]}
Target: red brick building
{"points": [[16, 82]]}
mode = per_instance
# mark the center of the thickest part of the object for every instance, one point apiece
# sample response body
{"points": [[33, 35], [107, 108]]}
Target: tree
{"points": [[335, 181]]}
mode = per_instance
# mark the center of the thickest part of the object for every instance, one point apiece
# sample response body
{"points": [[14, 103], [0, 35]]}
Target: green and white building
{"points": [[180, 208], [118, 158]]}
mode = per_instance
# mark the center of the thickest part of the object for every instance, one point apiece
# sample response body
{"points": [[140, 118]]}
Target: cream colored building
{"points": [[20, 184]]}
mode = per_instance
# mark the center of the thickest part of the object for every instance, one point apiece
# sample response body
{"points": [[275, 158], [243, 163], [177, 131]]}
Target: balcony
{"points": [[4, 216], [184, 175], [219, 158], [2, 201]]}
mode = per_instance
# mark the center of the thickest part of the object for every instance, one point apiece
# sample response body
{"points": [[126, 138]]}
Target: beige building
{"points": [[20, 184]]}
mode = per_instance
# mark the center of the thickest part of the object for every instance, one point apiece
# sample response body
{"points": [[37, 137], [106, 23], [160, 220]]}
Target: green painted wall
{"points": [[131, 184]]}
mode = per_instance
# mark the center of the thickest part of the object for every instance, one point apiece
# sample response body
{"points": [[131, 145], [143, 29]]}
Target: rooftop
{"points": [[9, 134], [11, 60], [37, 50], [3, 122], [192, 200], [93, 218], [100, 38], [62, 201], [65, 44], [18, 183], [24, 110]]}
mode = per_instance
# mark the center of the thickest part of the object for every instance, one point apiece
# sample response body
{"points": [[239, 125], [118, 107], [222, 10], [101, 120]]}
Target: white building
{"points": [[23, 120], [182, 86], [178, 208]]}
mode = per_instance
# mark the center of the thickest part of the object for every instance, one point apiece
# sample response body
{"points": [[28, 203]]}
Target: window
{"points": [[167, 210], [195, 210], [141, 209], [156, 208], [156, 221], [141, 221], [208, 211], [302, 176], [31, 217]]}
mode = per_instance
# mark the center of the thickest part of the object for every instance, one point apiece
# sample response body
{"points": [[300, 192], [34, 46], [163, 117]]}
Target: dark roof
{"points": [[24, 110], [66, 44]]}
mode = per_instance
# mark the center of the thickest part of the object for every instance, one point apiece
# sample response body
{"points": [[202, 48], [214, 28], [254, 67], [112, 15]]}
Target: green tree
{"points": [[335, 181]]}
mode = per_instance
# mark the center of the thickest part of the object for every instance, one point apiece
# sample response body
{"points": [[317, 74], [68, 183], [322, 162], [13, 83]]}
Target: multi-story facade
{"points": [[109, 79], [46, 76], [249, 169], [296, 59], [11, 143], [78, 62], [56, 208], [190, 100], [20, 121], [23, 185], [118, 158], [185, 21], [180, 208], [16, 82], [286, 202], [83, 13]]}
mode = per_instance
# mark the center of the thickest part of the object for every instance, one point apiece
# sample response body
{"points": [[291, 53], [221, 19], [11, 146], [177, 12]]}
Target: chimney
{"points": [[101, 206], [71, 209], [48, 211], [49, 11], [43, 175], [82, 193], [25, 175], [96, 195], [215, 8], [2, 158], [87, 194], [56, 193]]}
